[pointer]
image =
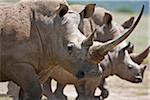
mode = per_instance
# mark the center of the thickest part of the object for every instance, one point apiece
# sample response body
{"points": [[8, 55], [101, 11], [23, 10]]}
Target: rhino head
{"points": [[65, 45], [126, 68], [107, 28], [138, 58]]}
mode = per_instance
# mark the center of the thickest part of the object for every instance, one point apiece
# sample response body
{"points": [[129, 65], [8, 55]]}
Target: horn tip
{"points": [[143, 7], [129, 43], [149, 48]]}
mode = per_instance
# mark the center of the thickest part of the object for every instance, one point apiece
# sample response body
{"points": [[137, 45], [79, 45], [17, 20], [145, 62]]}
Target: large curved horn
{"points": [[140, 57], [103, 49]]}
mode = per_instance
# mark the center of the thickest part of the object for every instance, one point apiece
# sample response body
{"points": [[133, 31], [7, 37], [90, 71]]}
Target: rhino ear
{"points": [[130, 49], [63, 9], [127, 46], [107, 19], [122, 51], [143, 69], [128, 23], [88, 11]]}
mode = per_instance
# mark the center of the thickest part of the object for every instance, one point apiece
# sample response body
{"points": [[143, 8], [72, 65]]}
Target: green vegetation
{"points": [[125, 10], [5, 98]]}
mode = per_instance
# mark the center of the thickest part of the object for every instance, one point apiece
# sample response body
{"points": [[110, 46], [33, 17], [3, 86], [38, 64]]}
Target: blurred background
{"points": [[121, 10]]}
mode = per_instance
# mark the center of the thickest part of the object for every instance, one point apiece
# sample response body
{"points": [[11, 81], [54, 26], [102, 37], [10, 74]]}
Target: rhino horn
{"points": [[89, 40], [102, 50], [141, 56]]}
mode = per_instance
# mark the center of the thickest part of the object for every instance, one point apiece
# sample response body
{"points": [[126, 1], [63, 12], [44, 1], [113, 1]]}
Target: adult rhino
{"points": [[107, 27], [77, 82], [58, 71], [54, 39]]}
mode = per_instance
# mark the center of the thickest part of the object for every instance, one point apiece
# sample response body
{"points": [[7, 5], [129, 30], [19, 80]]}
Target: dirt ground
{"points": [[119, 89], [122, 90]]}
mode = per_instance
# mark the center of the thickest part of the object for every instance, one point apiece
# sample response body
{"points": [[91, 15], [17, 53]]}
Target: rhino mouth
{"points": [[80, 74], [95, 72], [137, 79]]}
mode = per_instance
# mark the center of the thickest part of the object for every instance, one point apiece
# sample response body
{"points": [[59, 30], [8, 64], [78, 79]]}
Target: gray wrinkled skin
{"points": [[28, 59], [75, 82]]}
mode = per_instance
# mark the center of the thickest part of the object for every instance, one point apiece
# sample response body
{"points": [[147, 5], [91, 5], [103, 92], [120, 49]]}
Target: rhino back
{"points": [[15, 18]]}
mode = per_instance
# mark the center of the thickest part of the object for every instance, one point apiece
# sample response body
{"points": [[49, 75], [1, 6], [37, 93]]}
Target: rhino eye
{"points": [[70, 47], [130, 66]]}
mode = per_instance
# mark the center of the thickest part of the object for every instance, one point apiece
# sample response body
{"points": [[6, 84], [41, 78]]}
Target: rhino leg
{"points": [[81, 92], [82, 95], [24, 75], [104, 90], [47, 91], [13, 90], [59, 92]]}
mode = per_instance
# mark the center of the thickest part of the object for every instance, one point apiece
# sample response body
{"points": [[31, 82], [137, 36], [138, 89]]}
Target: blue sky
{"points": [[113, 5]]}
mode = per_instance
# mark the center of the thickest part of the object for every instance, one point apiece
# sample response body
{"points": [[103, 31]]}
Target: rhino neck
{"points": [[107, 65], [44, 38]]}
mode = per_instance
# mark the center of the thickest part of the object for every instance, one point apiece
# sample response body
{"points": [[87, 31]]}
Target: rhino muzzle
{"points": [[138, 79], [94, 72], [80, 74]]}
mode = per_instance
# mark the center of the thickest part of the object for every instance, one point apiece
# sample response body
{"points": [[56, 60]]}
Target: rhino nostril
{"points": [[80, 74]]}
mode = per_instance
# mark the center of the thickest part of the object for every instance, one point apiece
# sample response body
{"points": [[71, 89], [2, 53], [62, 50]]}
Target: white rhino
{"points": [[54, 40]]}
